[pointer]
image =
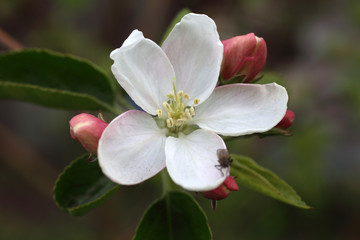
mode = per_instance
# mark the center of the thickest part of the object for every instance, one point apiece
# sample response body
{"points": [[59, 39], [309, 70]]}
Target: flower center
{"points": [[176, 111]]}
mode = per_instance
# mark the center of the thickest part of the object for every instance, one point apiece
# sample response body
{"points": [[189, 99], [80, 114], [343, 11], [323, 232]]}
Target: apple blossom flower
{"points": [[183, 112], [244, 55], [87, 129], [287, 120]]}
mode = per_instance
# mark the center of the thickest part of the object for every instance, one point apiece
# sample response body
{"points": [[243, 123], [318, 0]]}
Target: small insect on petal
{"points": [[224, 160]]}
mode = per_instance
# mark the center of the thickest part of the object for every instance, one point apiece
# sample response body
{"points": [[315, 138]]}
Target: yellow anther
{"points": [[187, 114], [179, 122], [192, 111], [167, 107], [176, 110], [159, 113], [170, 95], [169, 122]]}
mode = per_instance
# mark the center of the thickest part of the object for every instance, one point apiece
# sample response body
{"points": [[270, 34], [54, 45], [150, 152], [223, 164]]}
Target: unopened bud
{"points": [[223, 190], [243, 56], [287, 120], [87, 129]]}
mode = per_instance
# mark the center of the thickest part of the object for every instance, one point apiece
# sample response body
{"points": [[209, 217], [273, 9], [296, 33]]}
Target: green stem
{"points": [[115, 109], [165, 181]]}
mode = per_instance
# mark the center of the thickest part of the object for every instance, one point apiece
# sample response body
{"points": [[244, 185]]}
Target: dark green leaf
{"points": [[176, 19], [54, 80], [82, 186], [249, 174], [175, 216]]}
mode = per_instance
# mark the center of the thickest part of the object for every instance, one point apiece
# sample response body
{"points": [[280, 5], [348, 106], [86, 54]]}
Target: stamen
{"points": [[192, 111], [179, 122], [169, 122], [170, 95], [168, 107], [159, 112], [176, 109], [187, 114]]}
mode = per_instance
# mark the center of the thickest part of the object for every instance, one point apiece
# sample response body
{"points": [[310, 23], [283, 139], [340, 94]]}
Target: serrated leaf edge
{"points": [[283, 198]]}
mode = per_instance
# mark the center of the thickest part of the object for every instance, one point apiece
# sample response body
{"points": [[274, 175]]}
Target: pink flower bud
{"points": [[223, 190], [87, 129], [243, 55], [287, 120]]}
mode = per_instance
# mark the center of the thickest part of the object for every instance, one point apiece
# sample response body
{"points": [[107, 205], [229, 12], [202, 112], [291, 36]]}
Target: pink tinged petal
{"points": [[144, 71], [191, 160], [240, 109], [131, 148], [87, 129], [195, 51]]}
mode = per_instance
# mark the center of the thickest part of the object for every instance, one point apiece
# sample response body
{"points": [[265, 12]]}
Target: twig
{"points": [[9, 42]]}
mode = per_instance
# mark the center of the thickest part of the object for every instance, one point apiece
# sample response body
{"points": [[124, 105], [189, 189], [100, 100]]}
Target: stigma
{"points": [[176, 110]]}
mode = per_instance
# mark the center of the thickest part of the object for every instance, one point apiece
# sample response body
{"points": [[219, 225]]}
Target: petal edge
{"points": [[240, 109], [132, 148]]}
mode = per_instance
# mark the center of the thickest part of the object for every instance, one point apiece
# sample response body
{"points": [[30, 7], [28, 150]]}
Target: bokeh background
{"points": [[314, 46]]}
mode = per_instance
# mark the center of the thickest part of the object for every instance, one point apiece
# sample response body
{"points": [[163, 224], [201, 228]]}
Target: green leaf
{"points": [[249, 174], [54, 80], [176, 19], [82, 186], [175, 216]]}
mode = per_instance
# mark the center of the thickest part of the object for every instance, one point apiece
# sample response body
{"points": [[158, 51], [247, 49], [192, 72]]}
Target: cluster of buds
{"points": [[243, 56], [87, 129]]}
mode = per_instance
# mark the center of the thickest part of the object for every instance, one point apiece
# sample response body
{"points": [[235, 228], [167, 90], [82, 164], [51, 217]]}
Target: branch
{"points": [[9, 42]]}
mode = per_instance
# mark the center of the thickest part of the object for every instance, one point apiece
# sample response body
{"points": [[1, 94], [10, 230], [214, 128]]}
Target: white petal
{"points": [[239, 109], [131, 149], [191, 160], [144, 71], [195, 51]]}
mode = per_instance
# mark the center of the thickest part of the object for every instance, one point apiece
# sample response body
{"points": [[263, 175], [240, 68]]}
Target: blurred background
{"points": [[314, 46]]}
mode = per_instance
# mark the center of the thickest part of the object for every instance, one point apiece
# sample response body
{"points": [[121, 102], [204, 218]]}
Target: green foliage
{"points": [[249, 174], [54, 80], [176, 19], [175, 216], [270, 77], [82, 186]]}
